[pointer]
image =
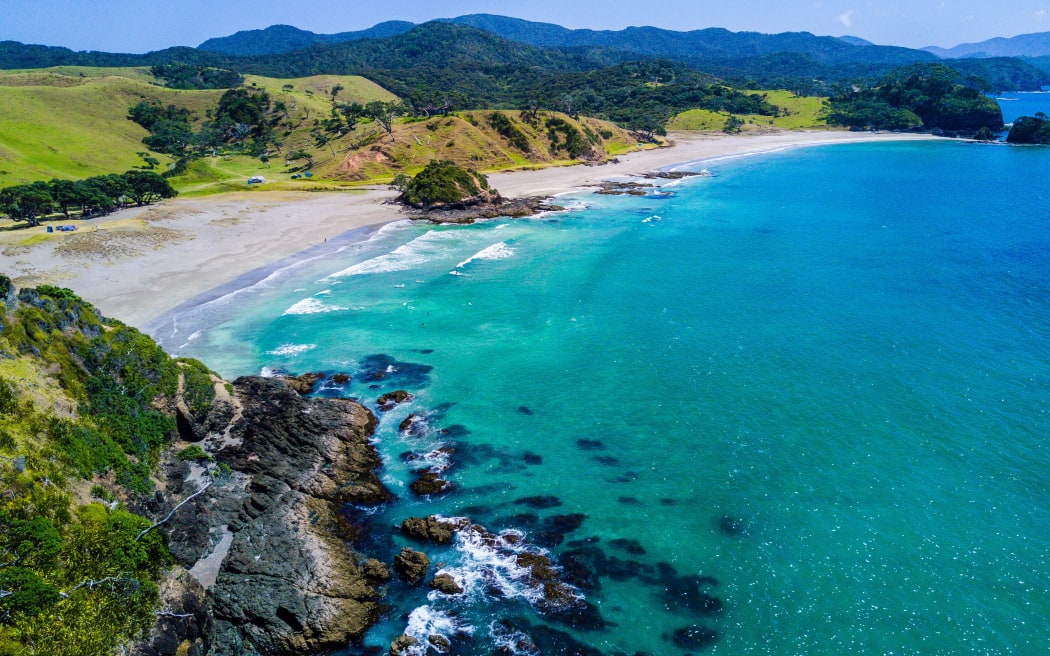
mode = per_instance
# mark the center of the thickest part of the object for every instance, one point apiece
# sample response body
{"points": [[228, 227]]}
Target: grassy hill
{"points": [[71, 122], [797, 112]]}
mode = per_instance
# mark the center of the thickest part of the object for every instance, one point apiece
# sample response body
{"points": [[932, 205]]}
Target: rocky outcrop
{"points": [[285, 579], [390, 400], [433, 529], [411, 565], [493, 208], [446, 584], [183, 621]]}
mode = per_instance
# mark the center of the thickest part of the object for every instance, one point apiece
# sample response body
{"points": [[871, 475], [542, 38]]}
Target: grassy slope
{"points": [[70, 122], [465, 137], [802, 112]]}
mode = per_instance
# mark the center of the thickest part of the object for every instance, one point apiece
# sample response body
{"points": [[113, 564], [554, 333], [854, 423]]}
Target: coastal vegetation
{"points": [[928, 97], [442, 183], [82, 424], [1030, 130], [94, 196]]}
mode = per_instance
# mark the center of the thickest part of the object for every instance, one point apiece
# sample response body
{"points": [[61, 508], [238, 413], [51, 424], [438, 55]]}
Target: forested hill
{"points": [[474, 63], [1022, 45], [710, 43], [278, 39]]}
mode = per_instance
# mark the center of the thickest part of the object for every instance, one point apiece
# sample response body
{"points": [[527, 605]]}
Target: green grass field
{"points": [[71, 121], [798, 112]]}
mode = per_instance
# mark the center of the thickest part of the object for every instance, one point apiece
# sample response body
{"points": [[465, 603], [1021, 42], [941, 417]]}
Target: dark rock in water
{"points": [[575, 544], [685, 593], [375, 387], [455, 431], [580, 615], [541, 639], [375, 571], [413, 425], [626, 477], [531, 458], [474, 511], [384, 367], [440, 643], [564, 523], [590, 445], [525, 521], [539, 501], [668, 502], [446, 584], [525, 410], [341, 379], [694, 637], [732, 526], [411, 565], [402, 645], [610, 461], [629, 501], [428, 483], [425, 351], [578, 567], [390, 400], [303, 384], [629, 545], [432, 529]]}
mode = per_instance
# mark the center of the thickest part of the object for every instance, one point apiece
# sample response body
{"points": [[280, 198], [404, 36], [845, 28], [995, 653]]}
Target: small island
{"points": [[1030, 130]]}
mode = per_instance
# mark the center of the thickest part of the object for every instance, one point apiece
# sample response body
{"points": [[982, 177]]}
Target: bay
{"points": [[813, 387]]}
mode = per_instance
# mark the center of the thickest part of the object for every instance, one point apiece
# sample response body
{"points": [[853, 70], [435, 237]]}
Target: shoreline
{"points": [[142, 265]]}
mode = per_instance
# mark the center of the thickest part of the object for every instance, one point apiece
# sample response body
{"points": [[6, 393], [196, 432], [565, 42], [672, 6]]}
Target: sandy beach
{"points": [[138, 264]]}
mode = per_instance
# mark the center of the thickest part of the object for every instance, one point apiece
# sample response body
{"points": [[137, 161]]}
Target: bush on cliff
{"points": [[77, 579]]}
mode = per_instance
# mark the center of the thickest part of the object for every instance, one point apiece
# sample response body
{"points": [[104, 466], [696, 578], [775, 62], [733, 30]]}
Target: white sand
{"points": [[138, 264]]}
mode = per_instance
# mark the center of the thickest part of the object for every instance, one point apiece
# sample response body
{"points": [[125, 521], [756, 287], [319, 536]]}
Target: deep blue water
{"points": [[1023, 104], [814, 387]]}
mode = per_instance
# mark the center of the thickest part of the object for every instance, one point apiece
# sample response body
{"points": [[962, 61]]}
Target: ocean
{"points": [[796, 407], [1023, 103]]}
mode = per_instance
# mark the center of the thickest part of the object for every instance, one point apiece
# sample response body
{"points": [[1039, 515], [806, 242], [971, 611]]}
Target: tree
{"points": [[27, 202], [385, 113], [65, 194], [335, 91], [145, 187]]}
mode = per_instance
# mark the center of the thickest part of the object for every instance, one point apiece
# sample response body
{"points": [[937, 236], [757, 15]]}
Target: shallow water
{"points": [[813, 387]]}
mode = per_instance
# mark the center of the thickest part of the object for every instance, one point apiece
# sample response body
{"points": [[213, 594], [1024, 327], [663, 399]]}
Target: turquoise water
{"points": [[813, 387]]}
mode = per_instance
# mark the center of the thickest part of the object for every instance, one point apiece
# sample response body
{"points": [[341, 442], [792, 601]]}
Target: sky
{"points": [[144, 25]]}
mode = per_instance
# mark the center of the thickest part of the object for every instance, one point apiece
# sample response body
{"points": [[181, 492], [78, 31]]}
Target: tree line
{"points": [[919, 97], [87, 198]]}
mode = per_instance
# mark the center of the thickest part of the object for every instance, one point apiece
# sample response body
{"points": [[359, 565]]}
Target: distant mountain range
{"points": [[478, 54], [706, 44], [1023, 45]]}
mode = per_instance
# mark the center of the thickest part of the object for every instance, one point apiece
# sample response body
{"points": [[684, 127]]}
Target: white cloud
{"points": [[846, 18]]}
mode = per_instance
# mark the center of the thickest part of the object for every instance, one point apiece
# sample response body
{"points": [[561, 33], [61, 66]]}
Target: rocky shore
{"points": [[273, 568]]}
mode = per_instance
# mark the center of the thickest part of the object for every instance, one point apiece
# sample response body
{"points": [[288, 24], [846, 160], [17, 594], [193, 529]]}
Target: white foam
{"points": [[292, 349], [426, 621], [312, 305], [490, 561], [509, 641], [414, 254], [270, 372], [498, 251]]}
